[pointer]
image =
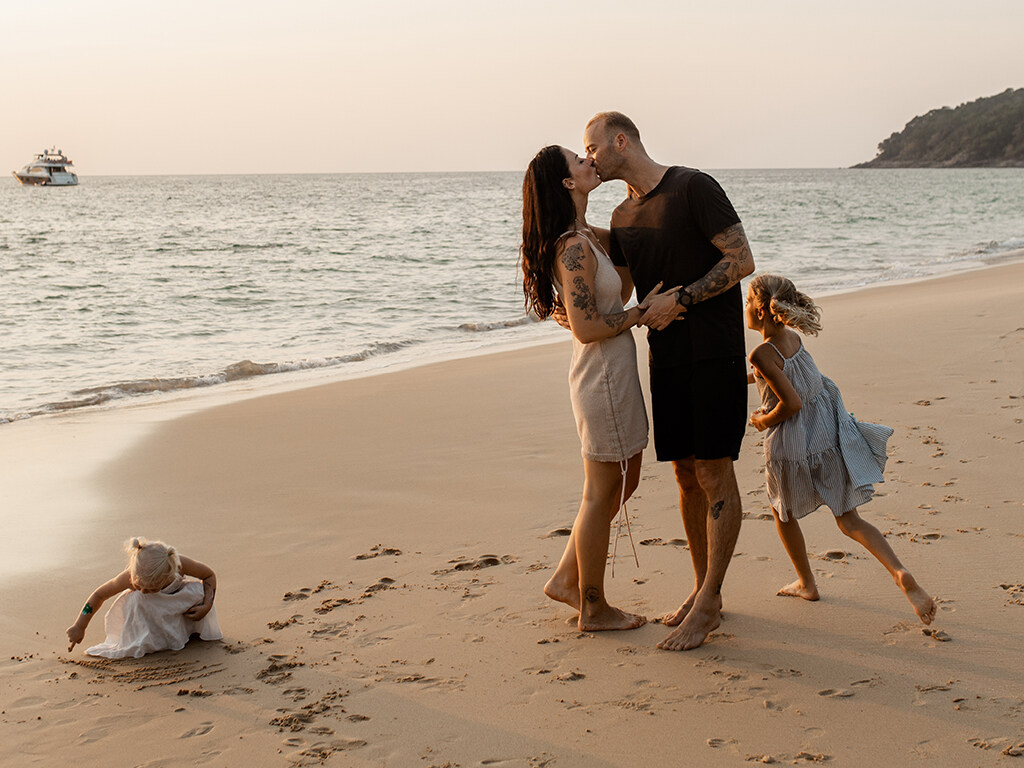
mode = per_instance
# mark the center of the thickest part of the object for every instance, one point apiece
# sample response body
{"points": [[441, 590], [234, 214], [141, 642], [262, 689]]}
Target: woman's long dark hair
{"points": [[548, 213]]}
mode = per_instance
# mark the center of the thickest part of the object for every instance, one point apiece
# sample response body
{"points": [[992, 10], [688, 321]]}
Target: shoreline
{"points": [[381, 545], [282, 381]]}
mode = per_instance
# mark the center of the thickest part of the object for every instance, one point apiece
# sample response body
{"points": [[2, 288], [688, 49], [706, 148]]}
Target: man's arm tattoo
{"points": [[582, 298], [736, 258], [572, 258]]}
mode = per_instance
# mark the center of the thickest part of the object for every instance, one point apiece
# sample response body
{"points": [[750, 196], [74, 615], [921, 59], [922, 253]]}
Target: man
{"points": [[677, 225]]}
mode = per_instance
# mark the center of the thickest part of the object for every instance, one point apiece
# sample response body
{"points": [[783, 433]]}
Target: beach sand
{"points": [[381, 545]]}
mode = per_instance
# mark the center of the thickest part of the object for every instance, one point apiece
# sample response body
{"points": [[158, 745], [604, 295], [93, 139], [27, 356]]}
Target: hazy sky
{"points": [[226, 86]]}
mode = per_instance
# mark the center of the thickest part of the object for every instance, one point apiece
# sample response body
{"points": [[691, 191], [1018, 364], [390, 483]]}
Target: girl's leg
{"points": [[793, 540], [564, 584], [864, 533], [601, 495]]}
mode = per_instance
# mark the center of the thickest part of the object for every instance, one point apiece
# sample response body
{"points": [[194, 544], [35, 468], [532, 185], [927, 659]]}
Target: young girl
{"points": [[158, 605], [815, 452]]}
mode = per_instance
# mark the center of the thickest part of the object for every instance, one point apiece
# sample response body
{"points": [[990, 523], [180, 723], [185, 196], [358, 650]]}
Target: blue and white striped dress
{"points": [[822, 454]]}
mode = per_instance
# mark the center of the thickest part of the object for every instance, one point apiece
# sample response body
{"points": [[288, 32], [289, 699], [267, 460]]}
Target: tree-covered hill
{"points": [[987, 132]]}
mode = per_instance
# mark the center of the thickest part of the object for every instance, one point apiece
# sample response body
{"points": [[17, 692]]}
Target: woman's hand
{"points": [[76, 634], [198, 611]]}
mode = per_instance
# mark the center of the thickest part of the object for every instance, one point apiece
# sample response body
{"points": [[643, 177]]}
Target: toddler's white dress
{"points": [[138, 623]]}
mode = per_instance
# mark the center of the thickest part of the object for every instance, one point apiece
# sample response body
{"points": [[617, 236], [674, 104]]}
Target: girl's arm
{"points": [[768, 364], [190, 567], [576, 266], [117, 585]]}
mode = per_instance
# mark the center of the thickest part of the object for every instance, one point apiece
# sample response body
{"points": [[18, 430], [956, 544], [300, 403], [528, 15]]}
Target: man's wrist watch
{"points": [[684, 298]]}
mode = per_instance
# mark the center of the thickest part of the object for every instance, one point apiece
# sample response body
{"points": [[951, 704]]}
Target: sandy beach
{"points": [[381, 544]]}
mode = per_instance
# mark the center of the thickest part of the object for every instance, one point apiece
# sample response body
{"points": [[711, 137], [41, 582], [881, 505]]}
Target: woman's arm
{"points": [[117, 585], [576, 266], [203, 572], [768, 364]]}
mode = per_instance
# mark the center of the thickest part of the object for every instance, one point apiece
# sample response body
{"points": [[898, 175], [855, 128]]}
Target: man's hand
{"points": [[560, 316], [661, 311]]}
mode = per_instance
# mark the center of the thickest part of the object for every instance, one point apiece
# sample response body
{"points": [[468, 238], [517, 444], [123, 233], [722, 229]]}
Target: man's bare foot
{"points": [[558, 590], [610, 618], [924, 606], [693, 631], [797, 589], [673, 619]]}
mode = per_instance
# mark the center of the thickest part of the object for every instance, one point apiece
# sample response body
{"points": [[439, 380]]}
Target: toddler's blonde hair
{"points": [[152, 564], [787, 306]]}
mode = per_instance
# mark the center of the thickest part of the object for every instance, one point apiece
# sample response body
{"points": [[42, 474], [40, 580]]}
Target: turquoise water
{"points": [[133, 286]]}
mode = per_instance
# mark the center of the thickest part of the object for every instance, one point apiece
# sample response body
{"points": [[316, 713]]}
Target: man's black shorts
{"points": [[699, 409]]}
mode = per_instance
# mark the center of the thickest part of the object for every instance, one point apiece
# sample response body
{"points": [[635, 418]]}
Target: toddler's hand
{"points": [[198, 611], [76, 635]]}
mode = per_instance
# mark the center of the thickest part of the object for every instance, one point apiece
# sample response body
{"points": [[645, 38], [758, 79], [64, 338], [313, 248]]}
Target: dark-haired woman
{"points": [[562, 255]]}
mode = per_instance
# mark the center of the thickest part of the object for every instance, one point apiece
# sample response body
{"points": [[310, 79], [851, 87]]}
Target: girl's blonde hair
{"points": [[152, 564], [787, 306]]}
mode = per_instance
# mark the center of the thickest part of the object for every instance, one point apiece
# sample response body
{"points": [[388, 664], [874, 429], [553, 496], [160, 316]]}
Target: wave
{"points": [[243, 369], [497, 325]]}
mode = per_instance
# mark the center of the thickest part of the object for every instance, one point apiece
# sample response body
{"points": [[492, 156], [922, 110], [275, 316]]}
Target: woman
{"points": [[562, 253]]}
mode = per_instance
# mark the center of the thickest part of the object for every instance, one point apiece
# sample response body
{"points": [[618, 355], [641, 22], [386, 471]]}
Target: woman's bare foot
{"points": [[563, 592], [924, 606], [797, 589], [693, 631], [675, 618], [608, 618]]}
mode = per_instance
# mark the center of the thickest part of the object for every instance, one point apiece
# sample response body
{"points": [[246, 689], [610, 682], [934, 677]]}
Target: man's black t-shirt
{"points": [[666, 235]]}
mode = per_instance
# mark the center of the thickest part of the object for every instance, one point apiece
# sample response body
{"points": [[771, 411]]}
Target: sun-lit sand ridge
{"points": [[381, 545]]}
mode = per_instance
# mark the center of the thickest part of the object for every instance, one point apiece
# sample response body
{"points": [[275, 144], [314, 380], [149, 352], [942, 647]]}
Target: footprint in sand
{"points": [[558, 532], [277, 625], [719, 743], [302, 594], [329, 605], [200, 730], [484, 561], [936, 634], [836, 693], [378, 551], [833, 554]]}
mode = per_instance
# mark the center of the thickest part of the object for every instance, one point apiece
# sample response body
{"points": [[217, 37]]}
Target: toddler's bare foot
{"points": [[675, 618], [693, 631], [797, 589], [924, 606], [609, 619], [563, 592]]}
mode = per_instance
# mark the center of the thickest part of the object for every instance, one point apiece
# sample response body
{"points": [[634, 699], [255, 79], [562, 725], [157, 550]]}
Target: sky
{"points": [[335, 86]]}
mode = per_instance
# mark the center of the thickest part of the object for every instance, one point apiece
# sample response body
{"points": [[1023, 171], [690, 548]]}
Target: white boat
{"points": [[51, 168]]}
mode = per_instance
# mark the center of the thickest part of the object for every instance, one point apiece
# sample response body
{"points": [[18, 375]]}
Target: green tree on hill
{"points": [[987, 132]]}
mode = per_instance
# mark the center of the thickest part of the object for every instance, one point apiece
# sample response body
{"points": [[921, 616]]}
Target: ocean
{"points": [[132, 287]]}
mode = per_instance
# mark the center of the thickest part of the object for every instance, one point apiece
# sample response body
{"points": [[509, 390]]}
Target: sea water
{"points": [[126, 287]]}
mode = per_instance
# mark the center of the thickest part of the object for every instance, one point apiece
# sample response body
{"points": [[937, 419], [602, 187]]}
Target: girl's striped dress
{"points": [[822, 454]]}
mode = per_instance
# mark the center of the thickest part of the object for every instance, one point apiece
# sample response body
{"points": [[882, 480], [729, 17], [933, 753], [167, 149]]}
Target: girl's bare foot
{"points": [[797, 589], [563, 592], [924, 606], [608, 618]]}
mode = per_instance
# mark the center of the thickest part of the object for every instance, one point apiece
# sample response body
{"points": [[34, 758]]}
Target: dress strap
{"points": [[776, 350]]}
